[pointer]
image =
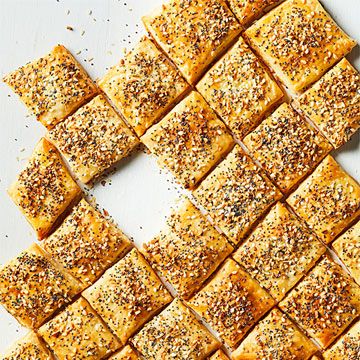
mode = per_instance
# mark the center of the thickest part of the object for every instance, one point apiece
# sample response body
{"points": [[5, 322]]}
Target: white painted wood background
{"points": [[138, 196]]}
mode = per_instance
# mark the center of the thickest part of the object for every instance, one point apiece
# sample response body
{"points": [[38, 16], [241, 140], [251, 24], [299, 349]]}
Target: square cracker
{"points": [[232, 302], [236, 194], [279, 251], [175, 334], [347, 347], [86, 243], [79, 333], [324, 303], [333, 103], [192, 33], [188, 250], [128, 295], [248, 10], [127, 353], [219, 355], [190, 140], [277, 338], [282, 39], [287, 147], [144, 85], [328, 200], [27, 348], [33, 287], [347, 246], [44, 189], [93, 139], [239, 89], [53, 86]]}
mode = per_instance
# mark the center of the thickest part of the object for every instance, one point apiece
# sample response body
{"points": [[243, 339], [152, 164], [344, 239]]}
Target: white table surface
{"points": [[139, 195]]}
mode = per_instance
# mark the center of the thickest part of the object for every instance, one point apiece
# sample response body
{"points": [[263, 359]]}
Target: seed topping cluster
{"points": [[328, 200], [236, 194], [300, 41], [279, 251], [33, 287], [93, 139], [193, 32], [53, 86], [287, 147], [86, 243], [128, 295], [188, 250], [231, 302], [175, 334], [324, 303], [240, 89], [333, 103], [144, 85], [190, 140]]}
